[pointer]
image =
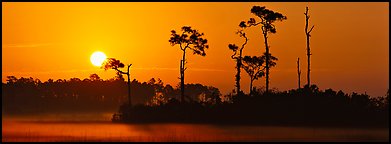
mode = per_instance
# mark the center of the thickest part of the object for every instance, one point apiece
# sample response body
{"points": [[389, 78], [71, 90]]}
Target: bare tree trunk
{"points": [[130, 101], [129, 98], [182, 70], [267, 62], [298, 71], [238, 66], [251, 86], [307, 33], [180, 77]]}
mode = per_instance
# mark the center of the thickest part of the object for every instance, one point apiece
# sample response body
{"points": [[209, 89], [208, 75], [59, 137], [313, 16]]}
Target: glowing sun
{"points": [[97, 58]]}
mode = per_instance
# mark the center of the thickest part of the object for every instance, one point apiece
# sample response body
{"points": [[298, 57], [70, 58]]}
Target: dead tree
{"points": [[307, 33], [298, 71]]}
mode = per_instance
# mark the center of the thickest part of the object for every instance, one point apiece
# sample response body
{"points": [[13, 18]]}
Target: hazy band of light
{"points": [[149, 68], [91, 70]]}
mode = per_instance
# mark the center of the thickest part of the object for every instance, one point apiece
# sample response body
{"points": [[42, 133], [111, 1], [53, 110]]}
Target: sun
{"points": [[97, 58]]}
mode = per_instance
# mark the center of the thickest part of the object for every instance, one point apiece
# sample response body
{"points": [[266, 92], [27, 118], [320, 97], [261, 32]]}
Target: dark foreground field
{"points": [[99, 128]]}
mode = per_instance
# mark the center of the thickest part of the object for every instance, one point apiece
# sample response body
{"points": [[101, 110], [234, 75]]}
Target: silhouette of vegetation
{"points": [[188, 39], [238, 56], [254, 68], [306, 106], [93, 94], [307, 33], [112, 63], [268, 17], [298, 73], [95, 77], [28, 95]]}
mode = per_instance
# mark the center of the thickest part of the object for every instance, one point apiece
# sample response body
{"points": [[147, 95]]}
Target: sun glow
{"points": [[97, 58]]}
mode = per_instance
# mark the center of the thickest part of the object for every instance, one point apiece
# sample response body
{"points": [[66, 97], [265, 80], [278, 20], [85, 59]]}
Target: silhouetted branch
{"points": [[311, 29], [120, 71]]}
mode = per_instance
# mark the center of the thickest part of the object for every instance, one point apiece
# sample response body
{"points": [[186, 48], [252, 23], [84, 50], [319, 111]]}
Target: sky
{"points": [[349, 43]]}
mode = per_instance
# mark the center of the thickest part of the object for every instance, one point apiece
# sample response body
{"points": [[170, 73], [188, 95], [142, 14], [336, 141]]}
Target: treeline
{"points": [[306, 106], [93, 94], [156, 102]]}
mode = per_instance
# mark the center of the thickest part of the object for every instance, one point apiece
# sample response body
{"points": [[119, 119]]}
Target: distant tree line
{"points": [[93, 94], [156, 102]]}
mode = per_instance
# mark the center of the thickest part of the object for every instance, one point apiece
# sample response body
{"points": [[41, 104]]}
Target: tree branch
{"points": [[255, 24], [311, 29], [129, 68], [187, 45], [232, 56], [244, 42], [120, 71], [180, 45]]}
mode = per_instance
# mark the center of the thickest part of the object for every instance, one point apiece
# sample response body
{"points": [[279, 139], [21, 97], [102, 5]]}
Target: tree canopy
{"points": [[189, 38]]}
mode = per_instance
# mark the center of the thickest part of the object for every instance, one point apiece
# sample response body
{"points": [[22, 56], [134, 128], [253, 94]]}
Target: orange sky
{"points": [[350, 42]]}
